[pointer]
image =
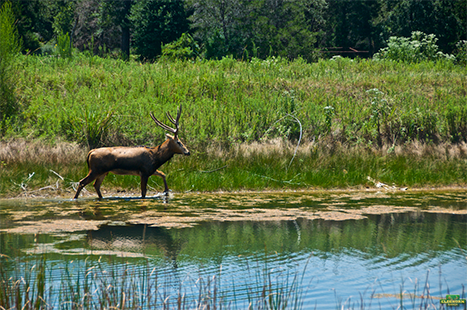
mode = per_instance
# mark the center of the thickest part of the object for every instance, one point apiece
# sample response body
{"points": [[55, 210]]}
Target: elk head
{"points": [[174, 142]]}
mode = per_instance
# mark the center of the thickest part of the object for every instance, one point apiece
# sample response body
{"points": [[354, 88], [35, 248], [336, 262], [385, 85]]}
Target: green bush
{"points": [[461, 52], [184, 48], [63, 47], [419, 47], [456, 118]]}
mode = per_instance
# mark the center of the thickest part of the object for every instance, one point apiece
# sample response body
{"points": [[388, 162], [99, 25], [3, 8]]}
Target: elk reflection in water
{"points": [[135, 238]]}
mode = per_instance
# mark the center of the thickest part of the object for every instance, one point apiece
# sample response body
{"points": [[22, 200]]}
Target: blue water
{"points": [[349, 264]]}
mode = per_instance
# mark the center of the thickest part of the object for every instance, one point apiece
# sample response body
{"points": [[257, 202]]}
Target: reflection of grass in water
{"points": [[114, 284], [418, 297]]}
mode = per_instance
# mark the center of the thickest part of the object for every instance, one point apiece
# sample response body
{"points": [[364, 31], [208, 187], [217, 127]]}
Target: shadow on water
{"points": [[348, 249]]}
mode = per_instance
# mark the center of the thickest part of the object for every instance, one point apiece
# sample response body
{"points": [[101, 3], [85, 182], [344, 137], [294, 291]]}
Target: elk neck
{"points": [[162, 153]]}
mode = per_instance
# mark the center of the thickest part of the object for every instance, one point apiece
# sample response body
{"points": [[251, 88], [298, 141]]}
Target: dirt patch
{"points": [[54, 226]]}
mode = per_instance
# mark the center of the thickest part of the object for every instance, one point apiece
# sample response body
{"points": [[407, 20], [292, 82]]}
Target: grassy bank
{"points": [[268, 166], [397, 123]]}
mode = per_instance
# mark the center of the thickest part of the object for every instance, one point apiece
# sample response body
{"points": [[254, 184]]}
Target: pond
{"points": [[330, 249]]}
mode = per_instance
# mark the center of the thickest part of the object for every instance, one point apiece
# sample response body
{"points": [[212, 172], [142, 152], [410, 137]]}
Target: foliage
{"points": [[116, 13], [34, 23], [217, 25], [184, 48], [63, 17], [9, 48], [156, 23], [256, 28], [229, 101], [456, 118], [419, 47], [63, 47], [90, 129], [444, 18], [240, 28], [380, 112], [461, 52], [352, 24]]}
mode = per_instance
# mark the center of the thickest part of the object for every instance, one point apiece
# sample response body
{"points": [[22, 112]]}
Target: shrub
{"points": [[63, 47], [90, 129], [419, 47], [184, 48], [461, 52]]}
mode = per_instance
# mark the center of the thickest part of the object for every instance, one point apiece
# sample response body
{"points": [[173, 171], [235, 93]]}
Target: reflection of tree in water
{"points": [[378, 235], [136, 238]]}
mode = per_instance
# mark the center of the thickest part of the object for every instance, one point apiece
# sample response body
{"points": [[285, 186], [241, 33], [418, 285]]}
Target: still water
{"points": [[323, 250]]}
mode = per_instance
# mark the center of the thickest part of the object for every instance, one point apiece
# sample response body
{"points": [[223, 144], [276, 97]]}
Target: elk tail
{"points": [[87, 158]]}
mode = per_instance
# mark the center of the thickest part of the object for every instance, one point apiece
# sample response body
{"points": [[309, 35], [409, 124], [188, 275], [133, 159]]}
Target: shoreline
{"points": [[135, 194]]}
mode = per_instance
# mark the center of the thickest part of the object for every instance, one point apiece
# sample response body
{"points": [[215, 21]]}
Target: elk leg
{"points": [[162, 175], [144, 183], [97, 184], [88, 179]]}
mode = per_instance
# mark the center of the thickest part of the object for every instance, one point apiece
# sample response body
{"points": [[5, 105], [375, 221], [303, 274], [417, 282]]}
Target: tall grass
{"points": [[350, 117], [230, 101], [110, 283], [30, 169]]}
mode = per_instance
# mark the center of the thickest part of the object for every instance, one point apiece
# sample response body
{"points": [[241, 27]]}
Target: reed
{"points": [[114, 283]]}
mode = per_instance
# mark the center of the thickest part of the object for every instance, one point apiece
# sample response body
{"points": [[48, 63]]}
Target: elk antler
{"points": [[171, 119], [175, 122]]}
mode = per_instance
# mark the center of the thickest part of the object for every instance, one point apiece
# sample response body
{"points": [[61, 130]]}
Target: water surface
{"points": [[324, 249]]}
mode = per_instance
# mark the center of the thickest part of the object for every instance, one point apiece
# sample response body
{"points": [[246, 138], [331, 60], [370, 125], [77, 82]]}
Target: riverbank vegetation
{"points": [[259, 124], [251, 124]]}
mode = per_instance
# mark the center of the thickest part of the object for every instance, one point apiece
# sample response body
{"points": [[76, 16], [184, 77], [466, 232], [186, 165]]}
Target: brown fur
{"points": [[142, 161]]}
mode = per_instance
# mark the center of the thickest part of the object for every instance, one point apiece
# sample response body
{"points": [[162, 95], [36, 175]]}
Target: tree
{"points": [[352, 23], [116, 13], [63, 16], [216, 24], [157, 22], [444, 18], [33, 23], [290, 28], [260, 27]]}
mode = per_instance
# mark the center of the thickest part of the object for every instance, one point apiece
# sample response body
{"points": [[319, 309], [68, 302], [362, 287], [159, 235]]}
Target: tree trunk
{"points": [[125, 25]]}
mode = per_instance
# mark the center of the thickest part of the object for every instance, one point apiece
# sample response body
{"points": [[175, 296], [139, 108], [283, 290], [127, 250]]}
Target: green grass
{"points": [[353, 115], [265, 169], [229, 101]]}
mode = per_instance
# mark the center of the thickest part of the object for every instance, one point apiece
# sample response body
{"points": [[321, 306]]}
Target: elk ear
{"points": [[170, 137]]}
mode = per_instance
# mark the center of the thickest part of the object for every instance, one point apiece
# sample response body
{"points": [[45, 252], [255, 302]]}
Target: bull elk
{"points": [[141, 160]]}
